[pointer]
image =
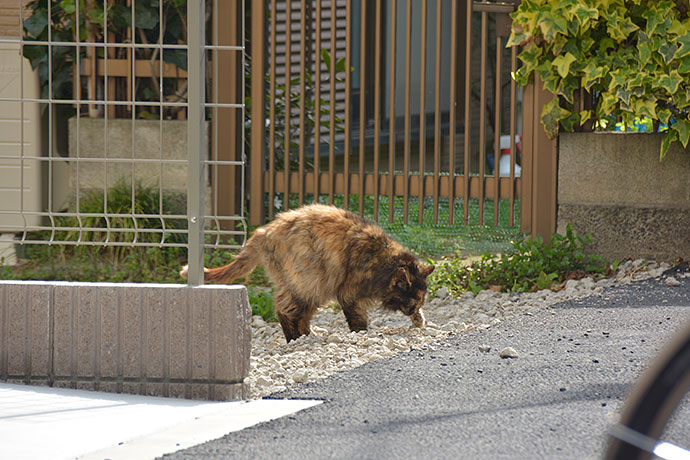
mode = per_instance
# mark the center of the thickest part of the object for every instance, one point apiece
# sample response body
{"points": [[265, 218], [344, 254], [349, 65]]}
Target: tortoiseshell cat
{"points": [[318, 253]]}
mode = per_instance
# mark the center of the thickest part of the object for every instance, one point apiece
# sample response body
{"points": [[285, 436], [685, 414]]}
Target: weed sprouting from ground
{"points": [[531, 265]]}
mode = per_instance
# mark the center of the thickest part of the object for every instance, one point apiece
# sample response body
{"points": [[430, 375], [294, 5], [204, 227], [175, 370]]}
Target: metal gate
{"points": [[407, 106]]}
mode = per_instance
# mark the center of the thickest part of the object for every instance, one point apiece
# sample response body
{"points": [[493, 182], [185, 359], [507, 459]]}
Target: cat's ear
{"points": [[427, 269], [401, 278]]}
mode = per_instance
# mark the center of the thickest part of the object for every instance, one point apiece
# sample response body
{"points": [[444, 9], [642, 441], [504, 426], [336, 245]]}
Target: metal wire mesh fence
{"points": [[122, 127]]}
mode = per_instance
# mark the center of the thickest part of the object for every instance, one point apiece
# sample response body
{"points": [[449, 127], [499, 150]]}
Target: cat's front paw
{"points": [[418, 318], [318, 331]]}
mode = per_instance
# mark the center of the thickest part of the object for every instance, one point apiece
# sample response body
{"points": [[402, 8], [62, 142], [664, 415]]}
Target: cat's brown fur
{"points": [[316, 254]]}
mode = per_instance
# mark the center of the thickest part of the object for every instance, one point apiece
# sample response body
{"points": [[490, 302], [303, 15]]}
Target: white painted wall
{"points": [[20, 138]]}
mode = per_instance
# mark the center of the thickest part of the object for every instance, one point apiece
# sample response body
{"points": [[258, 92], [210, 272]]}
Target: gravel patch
{"points": [[333, 348]]}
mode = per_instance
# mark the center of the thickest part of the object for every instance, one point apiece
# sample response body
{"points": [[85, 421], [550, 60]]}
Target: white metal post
{"points": [[195, 138]]}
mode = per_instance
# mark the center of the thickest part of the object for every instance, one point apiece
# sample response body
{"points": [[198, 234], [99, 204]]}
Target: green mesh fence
{"points": [[435, 240]]}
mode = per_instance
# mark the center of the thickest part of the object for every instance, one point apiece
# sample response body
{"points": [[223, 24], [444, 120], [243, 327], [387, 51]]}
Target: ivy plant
{"points": [[631, 56]]}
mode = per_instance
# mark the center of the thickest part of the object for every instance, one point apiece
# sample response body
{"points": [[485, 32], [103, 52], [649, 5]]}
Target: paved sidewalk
{"points": [[53, 424]]}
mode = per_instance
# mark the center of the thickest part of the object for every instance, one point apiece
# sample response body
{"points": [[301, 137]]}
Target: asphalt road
{"points": [[577, 360]]}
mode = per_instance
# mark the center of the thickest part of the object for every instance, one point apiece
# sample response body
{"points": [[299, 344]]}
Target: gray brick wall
{"points": [[164, 340]]}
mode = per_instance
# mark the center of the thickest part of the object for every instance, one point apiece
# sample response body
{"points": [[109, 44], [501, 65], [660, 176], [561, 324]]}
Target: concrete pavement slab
{"points": [[50, 423]]}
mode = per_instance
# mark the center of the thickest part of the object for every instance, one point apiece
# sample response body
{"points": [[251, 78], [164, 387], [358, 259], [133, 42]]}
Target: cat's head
{"points": [[407, 287]]}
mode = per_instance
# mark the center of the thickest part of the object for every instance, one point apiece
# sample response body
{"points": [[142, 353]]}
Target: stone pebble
{"points": [[275, 364], [508, 352]]}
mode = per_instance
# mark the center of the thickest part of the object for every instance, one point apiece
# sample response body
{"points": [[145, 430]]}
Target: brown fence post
{"points": [[540, 166], [257, 136], [227, 138]]}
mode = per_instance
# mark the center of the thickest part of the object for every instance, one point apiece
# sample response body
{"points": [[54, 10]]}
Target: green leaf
{"points": [[119, 17], [684, 49], [657, 21], [640, 79], [340, 65], [677, 27], [585, 115], [670, 82], [681, 100], [551, 83], [645, 50], [669, 137], [682, 127], [144, 16], [646, 106], [624, 94], [37, 23], [607, 103], [551, 115], [605, 44], [529, 57], [558, 44], [664, 115], [552, 24], [591, 74], [521, 76], [684, 65], [546, 71], [568, 86], [545, 281], [619, 26], [95, 16], [518, 36], [586, 43], [68, 6], [562, 64], [177, 57], [668, 51], [618, 78], [585, 14], [37, 55], [325, 55], [569, 122]]}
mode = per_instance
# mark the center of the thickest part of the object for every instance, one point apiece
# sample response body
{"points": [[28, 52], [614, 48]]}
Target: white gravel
{"points": [[275, 364]]}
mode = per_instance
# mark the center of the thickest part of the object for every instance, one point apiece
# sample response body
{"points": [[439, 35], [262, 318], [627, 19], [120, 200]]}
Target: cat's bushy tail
{"points": [[242, 266]]}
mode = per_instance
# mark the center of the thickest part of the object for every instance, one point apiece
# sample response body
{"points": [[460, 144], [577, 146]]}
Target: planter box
{"points": [[613, 186]]}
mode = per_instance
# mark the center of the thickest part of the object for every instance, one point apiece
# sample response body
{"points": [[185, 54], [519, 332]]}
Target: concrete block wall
{"points": [[613, 186], [159, 149], [163, 340]]}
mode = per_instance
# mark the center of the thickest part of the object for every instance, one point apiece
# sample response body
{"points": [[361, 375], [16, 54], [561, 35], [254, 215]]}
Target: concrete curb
{"points": [[149, 339]]}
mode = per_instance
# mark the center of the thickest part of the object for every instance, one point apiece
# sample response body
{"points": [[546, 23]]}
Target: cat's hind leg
{"points": [[293, 314]]}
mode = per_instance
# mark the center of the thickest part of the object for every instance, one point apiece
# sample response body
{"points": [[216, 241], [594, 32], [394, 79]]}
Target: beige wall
{"points": [[613, 186], [21, 186]]}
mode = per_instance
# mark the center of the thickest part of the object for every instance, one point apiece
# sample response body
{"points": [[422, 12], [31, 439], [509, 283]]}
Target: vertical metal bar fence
{"points": [[446, 107]]}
